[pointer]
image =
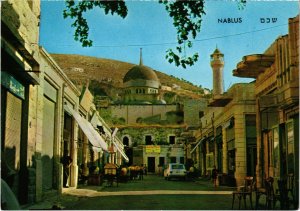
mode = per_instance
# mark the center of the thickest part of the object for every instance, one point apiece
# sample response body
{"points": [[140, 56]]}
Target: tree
{"points": [[186, 15]]}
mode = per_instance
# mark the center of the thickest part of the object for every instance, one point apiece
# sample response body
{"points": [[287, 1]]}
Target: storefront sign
{"points": [[152, 149], [12, 85]]}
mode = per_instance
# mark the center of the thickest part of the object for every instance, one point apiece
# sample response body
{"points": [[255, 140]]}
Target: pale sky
{"points": [[148, 26]]}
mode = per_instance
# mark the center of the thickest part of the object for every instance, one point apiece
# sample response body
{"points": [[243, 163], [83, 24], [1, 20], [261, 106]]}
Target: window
{"points": [[182, 160], [172, 159], [148, 140], [290, 147], [161, 161], [276, 161], [126, 141], [178, 166], [231, 161], [201, 114], [172, 139]]}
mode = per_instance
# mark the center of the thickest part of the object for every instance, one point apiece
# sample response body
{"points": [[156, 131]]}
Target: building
{"points": [[227, 130], [43, 114], [20, 75], [148, 127], [277, 106], [141, 85], [227, 138]]}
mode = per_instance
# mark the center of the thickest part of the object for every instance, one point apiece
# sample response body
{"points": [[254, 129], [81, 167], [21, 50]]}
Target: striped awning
{"points": [[199, 142], [93, 136]]}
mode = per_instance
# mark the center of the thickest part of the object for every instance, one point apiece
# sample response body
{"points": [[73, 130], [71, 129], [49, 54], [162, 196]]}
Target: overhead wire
{"points": [[172, 43]]}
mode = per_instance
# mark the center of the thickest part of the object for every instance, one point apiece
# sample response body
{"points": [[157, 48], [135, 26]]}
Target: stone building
{"points": [[227, 131], [150, 129], [153, 145], [38, 128], [141, 85], [227, 138], [277, 105], [20, 71]]}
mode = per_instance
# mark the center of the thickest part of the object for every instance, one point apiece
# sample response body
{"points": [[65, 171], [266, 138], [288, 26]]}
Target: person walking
{"points": [[66, 161], [214, 175]]}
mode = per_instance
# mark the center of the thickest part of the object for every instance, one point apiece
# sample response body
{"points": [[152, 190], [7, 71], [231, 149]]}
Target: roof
{"points": [[217, 51], [140, 72]]}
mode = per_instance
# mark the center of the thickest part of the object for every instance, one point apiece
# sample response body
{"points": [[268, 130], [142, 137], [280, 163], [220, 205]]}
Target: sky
{"points": [[149, 27]]}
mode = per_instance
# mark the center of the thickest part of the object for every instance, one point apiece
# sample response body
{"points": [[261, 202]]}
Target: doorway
{"points": [[151, 164]]}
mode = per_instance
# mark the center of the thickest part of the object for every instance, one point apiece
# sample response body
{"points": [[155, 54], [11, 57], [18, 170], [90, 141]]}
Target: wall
{"points": [[132, 112], [23, 18], [159, 135], [192, 109]]}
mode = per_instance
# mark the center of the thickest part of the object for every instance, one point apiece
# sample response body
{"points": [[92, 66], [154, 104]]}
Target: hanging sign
{"points": [[13, 85], [152, 149]]}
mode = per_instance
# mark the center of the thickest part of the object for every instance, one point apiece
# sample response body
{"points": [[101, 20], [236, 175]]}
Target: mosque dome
{"points": [[140, 72]]}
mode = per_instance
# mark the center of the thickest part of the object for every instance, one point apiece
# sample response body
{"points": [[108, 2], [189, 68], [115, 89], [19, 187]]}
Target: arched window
{"points": [[148, 140], [126, 141]]}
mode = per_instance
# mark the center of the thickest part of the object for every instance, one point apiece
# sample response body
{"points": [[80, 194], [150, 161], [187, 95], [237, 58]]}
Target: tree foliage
{"points": [[186, 15], [187, 18], [76, 11]]}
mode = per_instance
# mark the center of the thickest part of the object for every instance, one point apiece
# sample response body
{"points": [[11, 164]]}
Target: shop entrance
{"points": [[151, 164]]}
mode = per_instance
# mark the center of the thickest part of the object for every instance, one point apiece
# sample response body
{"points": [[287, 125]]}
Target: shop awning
{"points": [[121, 151], [94, 137], [199, 142]]}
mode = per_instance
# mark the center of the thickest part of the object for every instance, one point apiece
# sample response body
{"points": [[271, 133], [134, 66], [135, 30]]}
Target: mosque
{"points": [[141, 85], [151, 130]]}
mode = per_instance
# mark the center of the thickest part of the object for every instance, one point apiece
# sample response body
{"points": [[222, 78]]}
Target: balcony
{"points": [[219, 101], [253, 65]]}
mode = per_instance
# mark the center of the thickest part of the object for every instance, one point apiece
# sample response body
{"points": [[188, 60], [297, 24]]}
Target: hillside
{"points": [[110, 73]]}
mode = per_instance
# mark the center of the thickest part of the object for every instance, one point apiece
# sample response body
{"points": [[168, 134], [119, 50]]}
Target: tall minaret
{"points": [[141, 57], [217, 64]]}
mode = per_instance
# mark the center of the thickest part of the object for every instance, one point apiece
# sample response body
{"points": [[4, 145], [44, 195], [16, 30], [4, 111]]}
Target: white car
{"points": [[175, 170]]}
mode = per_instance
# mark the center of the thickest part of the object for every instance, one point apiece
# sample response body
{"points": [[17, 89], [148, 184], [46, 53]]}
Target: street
{"points": [[153, 193]]}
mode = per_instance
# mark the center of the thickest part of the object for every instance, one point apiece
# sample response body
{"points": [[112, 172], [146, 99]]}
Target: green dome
{"points": [[140, 72]]}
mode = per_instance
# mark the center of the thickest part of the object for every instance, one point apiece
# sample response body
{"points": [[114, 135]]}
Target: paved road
{"points": [[152, 193]]}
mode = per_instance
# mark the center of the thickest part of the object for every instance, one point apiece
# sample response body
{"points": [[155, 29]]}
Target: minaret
{"points": [[217, 64], [141, 57]]}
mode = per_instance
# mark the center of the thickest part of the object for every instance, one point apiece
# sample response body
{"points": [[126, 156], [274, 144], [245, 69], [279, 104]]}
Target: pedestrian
{"points": [[66, 161], [141, 172], [214, 175], [145, 169]]}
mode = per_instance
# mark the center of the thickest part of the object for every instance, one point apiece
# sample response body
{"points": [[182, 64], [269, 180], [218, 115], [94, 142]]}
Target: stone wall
{"points": [[160, 135], [23, 18], [132, 112], [192, 111]]}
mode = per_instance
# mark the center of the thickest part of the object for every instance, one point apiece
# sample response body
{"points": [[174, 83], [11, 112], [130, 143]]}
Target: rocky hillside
{"points": [[108, 74]]}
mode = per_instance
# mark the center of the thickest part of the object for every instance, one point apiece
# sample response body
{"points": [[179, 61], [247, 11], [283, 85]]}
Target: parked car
{"points": [[175, 170]]}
